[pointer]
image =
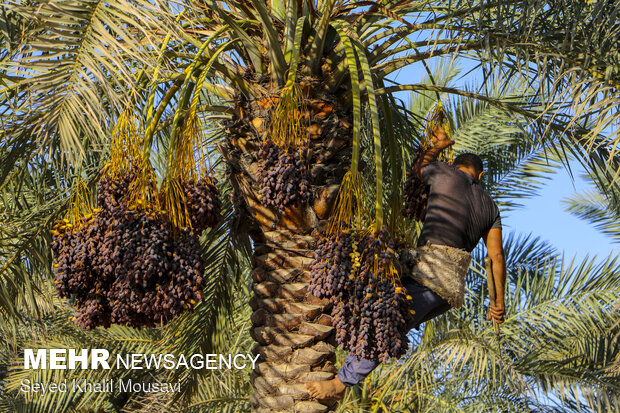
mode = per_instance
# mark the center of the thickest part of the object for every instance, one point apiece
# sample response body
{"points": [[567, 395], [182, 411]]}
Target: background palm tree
{"points": [[70, 69]]}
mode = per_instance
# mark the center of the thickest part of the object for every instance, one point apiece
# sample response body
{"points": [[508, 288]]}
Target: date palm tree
{"points": [[481, 373], [301, 73]]}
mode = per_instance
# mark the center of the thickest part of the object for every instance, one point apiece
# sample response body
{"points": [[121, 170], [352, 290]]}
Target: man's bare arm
{"points": [[440, 142], [493, 241]]}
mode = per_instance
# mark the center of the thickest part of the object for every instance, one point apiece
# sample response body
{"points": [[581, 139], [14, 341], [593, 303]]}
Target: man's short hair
{"points": [[469, 160]]}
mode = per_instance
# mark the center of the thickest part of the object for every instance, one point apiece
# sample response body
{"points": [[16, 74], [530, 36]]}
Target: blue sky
{"points": [[545, 216]]}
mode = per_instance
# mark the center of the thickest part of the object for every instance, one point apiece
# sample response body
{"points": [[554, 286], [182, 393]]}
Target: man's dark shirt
{"points": [[459, 211]]}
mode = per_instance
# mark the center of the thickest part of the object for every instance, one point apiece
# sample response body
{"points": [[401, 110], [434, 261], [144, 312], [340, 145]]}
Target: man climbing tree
{"points": [[459, 213]]}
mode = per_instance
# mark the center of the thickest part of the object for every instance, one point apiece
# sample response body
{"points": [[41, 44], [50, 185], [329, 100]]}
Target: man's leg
{"points": [[426, 305], [354, 371]]}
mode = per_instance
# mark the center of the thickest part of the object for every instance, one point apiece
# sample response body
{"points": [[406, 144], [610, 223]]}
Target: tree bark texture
{"points": [[292, 328]]}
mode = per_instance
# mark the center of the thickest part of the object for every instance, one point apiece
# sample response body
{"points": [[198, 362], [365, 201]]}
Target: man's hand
{"points": [[440, 142], [497, 312], [440, 138]]}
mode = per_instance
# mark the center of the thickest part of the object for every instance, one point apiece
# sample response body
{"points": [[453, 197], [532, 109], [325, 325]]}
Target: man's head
{"points": [[471, 164]]}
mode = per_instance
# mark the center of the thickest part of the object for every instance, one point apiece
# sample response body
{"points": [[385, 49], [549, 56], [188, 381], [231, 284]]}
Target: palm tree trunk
{"points": [[292, 328]]}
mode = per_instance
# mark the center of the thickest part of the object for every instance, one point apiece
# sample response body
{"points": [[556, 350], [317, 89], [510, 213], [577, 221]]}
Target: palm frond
{"points": [[594, 208], [74, 73]]}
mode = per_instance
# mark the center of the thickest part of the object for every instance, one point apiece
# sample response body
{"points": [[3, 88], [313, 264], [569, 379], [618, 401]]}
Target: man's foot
{"points": [[329, 389]]}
